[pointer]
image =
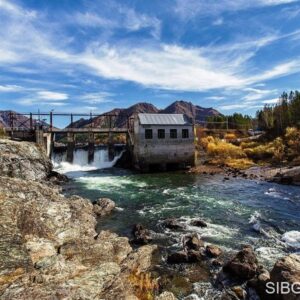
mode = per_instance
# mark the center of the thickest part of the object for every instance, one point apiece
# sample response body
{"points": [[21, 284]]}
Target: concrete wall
{"points": [[163, 151]]}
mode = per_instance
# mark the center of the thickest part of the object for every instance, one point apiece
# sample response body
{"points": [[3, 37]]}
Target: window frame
{"points": [[163, 136], [148, 137], [185, 134], [173, 136]]}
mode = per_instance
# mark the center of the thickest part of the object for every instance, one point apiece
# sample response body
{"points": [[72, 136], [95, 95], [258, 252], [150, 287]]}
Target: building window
{"points": [[148, 134], [161, 133], [185, 133], [173, 133]]}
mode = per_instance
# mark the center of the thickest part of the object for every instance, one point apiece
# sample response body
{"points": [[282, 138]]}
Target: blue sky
{"points": [[82, 56]]}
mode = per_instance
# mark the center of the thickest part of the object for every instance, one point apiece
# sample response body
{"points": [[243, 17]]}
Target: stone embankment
{"points": [[281, 175], [49, 248]]}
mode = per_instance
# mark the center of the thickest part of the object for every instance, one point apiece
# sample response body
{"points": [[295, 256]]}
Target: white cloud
{"points": [[188, 9], [218, 22], [9, 7], [217, 98], [270, 101], [51, 96], [38, 102], [10, 88], [232, 106], [121, 17], [164, 66], [90, 19], [282, 69], [255, 94], [167, 67], [94, 98]]}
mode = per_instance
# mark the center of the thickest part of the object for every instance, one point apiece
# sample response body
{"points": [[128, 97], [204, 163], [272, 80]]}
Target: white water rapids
{"points": [[80, 161]]}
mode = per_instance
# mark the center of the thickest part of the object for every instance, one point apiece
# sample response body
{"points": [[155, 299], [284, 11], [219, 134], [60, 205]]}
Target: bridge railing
{"points": [[32, 121]]}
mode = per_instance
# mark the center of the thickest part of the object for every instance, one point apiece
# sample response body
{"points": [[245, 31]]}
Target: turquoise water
{"points": [[238, 211]]}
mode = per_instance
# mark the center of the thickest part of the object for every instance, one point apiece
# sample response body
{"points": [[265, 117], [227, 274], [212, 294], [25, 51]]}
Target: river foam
{"points": [[292, 239]]}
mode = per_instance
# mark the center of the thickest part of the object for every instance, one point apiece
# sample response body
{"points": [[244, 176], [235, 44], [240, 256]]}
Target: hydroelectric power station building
{"points": [[163, 141]]}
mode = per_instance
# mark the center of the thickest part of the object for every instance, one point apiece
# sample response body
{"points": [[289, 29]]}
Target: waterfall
{"points": [[80, 161]]}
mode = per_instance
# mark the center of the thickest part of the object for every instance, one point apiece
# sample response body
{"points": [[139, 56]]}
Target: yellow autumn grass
{"points": [[145, 286], [3, 134]]}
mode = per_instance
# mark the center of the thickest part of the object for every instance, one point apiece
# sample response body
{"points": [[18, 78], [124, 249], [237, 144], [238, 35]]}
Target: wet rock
{"points": [[192, 242], [173, 224], [229, 295], [177, 257], [195, 256], [217, 262], [103, 207], [141, 234], [284, 179], [198, 223], [259, 284], [57, 178], [213, 251], [239, 291], [243, 265], [287, 269], [166, 296]]}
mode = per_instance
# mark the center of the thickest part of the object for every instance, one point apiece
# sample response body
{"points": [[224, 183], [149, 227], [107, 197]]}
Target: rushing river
{"points": [[238, 211]]}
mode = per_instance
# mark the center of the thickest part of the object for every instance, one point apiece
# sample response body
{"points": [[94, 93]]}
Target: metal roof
{"points": [[163, 119]]}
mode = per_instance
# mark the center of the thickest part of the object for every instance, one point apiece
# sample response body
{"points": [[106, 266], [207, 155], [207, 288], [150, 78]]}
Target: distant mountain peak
{"points": [[194, 112]]}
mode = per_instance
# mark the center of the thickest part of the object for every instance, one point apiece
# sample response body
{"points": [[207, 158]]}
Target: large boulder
{"points": [[192, 242], [259, 284], [287, 269], [23, 160], [141, 235], [173, 224], [178, 257], [198, 223], [243, 265], [104, 206], [213, 251]]}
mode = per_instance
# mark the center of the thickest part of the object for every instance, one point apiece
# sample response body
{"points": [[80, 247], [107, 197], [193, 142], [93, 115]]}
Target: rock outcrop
{"points": [[192, 242], [173, 224], [23, 160], [243, 265], [287, 270], [283, 283], [49, 248], [104, 206], [213, 251], [141, 235]]}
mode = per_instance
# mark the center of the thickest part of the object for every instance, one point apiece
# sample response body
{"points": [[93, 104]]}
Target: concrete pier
{"points": [[49, 144], [111, 149], [70, 146], [91, 148]]}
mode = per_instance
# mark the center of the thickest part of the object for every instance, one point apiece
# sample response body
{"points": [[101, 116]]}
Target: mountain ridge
{"points": [[121, 115], [194, 112]]}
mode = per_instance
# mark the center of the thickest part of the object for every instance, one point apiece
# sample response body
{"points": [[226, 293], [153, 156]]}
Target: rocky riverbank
{"points": [[49, 247], [281, 175]]}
